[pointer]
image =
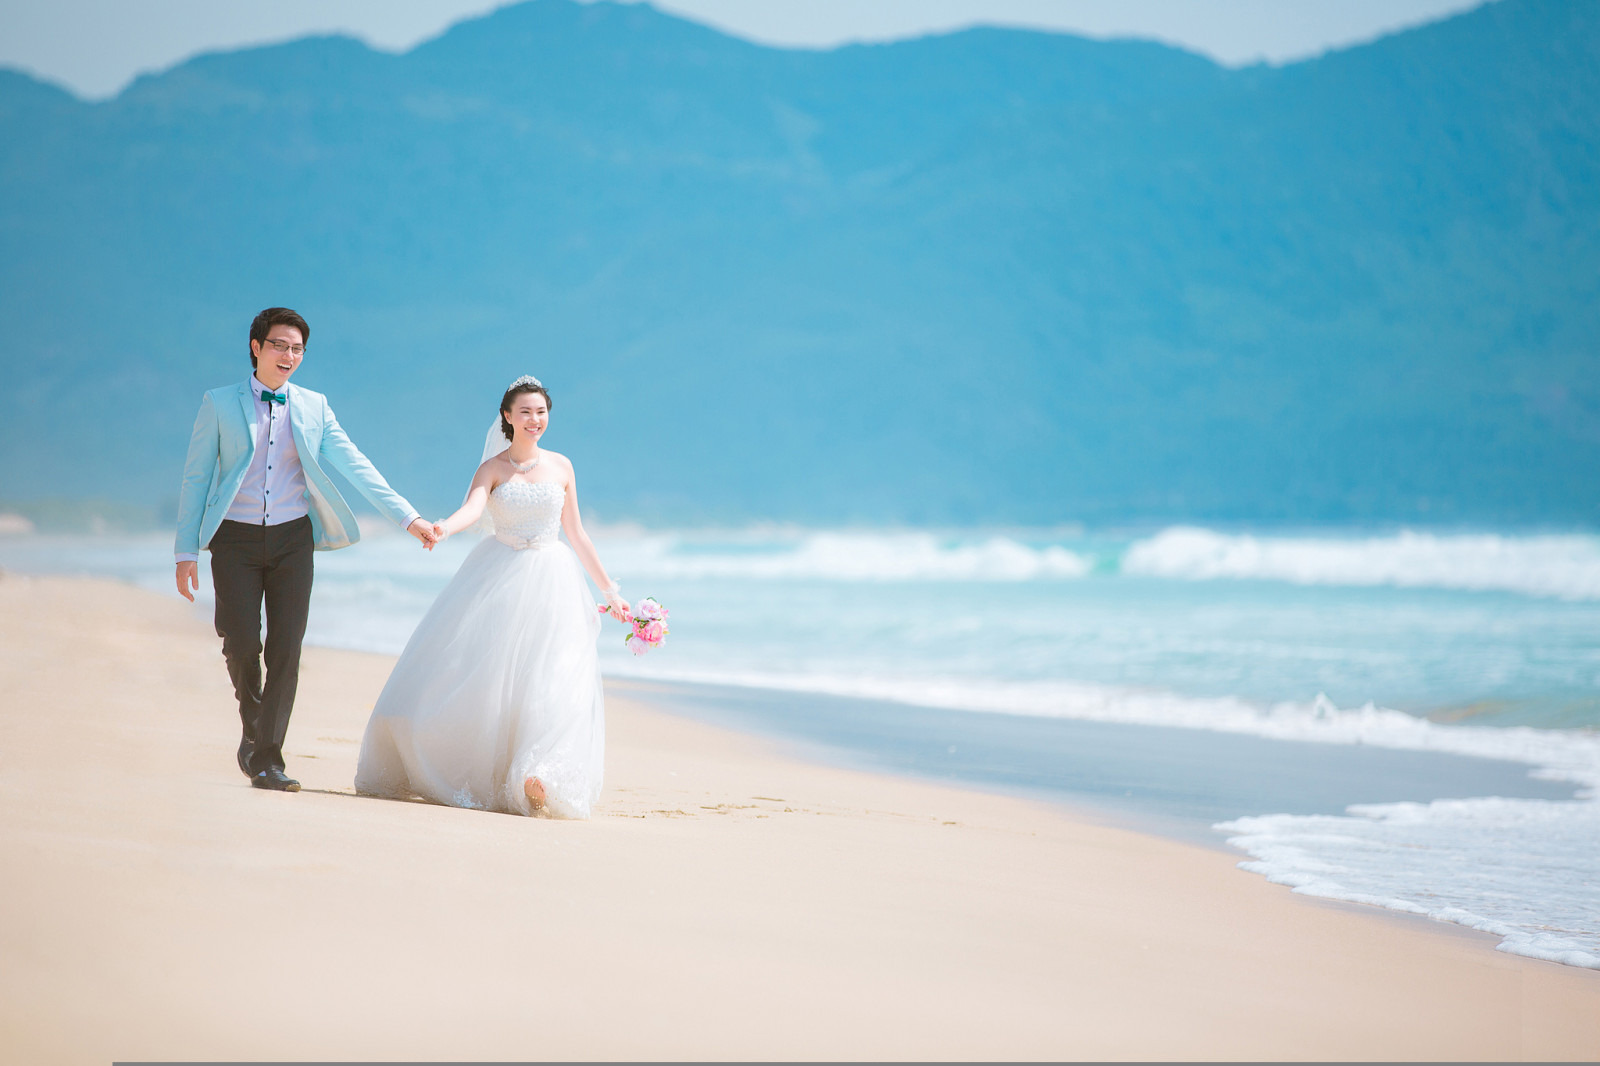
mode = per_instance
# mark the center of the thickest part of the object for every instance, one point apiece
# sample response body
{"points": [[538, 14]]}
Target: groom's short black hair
{"points": [[276, 316]]}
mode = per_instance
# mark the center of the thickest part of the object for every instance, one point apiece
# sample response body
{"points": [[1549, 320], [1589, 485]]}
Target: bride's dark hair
{"points": [[510, 397]]}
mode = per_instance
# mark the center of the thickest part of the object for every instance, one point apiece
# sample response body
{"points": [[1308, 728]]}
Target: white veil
{"points": [[495, 442]]}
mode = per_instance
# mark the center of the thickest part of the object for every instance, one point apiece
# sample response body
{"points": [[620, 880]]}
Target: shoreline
{"points": [[727, 900], [1172, 781]]}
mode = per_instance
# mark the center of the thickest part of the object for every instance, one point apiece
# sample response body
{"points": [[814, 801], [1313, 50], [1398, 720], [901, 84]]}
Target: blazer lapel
{"points": [[298, 428], [247, 406]]}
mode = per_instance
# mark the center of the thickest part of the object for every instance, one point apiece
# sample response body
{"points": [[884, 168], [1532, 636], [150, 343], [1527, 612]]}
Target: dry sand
{"points": [[726, 901]]}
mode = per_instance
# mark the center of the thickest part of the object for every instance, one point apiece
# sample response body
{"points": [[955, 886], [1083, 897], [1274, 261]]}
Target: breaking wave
{"points": [[1567, 566]]}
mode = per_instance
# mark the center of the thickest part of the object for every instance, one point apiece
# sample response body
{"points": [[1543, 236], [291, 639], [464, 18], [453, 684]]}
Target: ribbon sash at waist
{"points": [[512, 540]]}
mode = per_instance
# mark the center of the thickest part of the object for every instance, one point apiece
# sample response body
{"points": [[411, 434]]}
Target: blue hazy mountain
{"points": [[994, 276]]}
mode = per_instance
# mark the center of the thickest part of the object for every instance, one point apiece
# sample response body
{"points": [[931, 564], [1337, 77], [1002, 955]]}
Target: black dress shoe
{"points": [[276, 780], [246, 749]]}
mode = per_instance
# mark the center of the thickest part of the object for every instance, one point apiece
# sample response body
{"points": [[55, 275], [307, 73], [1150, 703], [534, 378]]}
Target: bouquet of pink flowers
{"points": [[649, 621]]}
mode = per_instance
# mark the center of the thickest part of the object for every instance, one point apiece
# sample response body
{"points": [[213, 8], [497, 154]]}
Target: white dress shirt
{"points": [[274, 488]]}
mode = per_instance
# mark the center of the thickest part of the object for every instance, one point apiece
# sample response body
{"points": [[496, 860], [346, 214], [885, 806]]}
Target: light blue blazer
{"points": [[224, 441]]}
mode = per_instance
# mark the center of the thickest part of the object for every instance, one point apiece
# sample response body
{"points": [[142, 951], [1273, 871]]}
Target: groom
{"points": [[255, 493]]}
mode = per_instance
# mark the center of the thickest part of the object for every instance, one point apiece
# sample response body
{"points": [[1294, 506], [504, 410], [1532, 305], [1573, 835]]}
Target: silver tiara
{"points": [[526, 379]]}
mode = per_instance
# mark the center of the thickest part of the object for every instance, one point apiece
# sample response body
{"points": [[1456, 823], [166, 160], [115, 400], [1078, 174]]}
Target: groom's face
{"points": [[273, 366]]}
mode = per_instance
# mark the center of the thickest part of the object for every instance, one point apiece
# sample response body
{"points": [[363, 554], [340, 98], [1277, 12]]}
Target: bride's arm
{"points": [[471, 509], [583, 547]]}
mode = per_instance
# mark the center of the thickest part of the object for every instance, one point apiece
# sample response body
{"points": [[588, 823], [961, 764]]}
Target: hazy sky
{"points": [[95, 47]]}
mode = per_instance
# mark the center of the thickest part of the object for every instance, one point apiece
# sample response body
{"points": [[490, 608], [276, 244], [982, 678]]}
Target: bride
{"points": [[495, 703]]}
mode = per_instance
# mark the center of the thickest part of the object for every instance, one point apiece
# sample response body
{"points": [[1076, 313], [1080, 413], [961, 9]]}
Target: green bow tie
{"points": [[274, 397]]}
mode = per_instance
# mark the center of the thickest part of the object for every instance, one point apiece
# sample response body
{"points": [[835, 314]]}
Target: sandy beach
{"points": [[728, 900]]}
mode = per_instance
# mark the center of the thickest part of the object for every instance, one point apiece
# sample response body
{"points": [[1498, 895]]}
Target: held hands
{"points": [[188, 578], [424, 531]]}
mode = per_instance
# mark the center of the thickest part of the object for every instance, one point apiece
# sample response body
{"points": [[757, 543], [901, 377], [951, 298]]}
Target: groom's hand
{"points": [[188, 578], [423, 531]]}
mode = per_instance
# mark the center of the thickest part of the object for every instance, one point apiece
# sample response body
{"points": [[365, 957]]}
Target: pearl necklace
{"points": [[523, 468]]}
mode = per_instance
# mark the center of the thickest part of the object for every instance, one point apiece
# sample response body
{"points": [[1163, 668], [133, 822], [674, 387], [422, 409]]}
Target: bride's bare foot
{"points": [[533, 788]]}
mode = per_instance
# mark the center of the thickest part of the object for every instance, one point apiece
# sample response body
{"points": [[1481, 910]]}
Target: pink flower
{"points": [[648, 623]]}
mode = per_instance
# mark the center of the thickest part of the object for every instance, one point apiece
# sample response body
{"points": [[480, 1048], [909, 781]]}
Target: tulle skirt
{"points": [[499, 683]]}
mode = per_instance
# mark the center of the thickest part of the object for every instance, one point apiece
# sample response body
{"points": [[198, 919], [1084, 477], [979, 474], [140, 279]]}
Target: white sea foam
{"points": [[850, 557], [1565, 755], [1564, 566], [1526, 870]]}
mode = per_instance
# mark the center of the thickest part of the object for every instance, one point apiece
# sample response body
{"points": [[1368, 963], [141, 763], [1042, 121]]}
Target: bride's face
{"points": [[528, 415]]}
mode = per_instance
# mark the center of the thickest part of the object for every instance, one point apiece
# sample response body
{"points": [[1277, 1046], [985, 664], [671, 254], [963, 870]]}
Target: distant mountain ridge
{"points": [[990, 277]]}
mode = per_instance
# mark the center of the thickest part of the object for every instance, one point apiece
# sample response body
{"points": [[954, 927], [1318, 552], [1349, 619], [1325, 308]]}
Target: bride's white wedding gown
{"points": [[500, 682]]}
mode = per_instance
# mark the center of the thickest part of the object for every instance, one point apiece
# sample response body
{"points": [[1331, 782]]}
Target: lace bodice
{"points": [[527, 514]]}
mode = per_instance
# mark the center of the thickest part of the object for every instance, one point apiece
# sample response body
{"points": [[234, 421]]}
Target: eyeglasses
{"points": [[285, 346]]}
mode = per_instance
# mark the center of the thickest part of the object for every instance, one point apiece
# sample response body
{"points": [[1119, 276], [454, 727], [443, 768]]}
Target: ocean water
{"points": [[1483, 645]]}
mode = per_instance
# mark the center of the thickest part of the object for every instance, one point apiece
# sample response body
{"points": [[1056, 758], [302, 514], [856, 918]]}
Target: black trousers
{"points": [[250, 563]]}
